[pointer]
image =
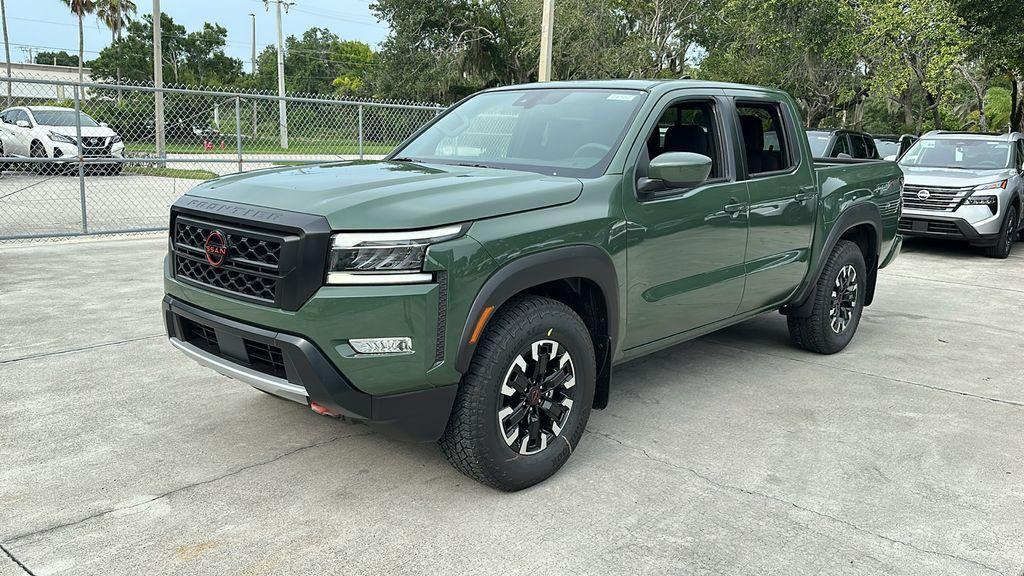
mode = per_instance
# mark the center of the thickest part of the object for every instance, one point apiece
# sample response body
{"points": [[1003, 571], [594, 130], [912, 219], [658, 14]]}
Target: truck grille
{"points": [[933, 198], [249, 268], [270, 257]]}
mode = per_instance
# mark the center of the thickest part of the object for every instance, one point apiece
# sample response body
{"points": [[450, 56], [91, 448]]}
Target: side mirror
{"points": [[104, 124], [23, 124], [680, 169]]}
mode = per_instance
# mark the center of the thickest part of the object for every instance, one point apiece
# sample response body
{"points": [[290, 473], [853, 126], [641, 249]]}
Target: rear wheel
{"points": [[838, 302], [524, 403], [1007, 235]]}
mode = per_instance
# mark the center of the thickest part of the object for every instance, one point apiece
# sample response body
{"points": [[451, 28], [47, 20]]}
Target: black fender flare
{"points": [[578, 261], [864, 213]]}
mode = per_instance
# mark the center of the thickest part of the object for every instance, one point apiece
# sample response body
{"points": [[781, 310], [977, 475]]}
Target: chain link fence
{"points": [[91, 158]]}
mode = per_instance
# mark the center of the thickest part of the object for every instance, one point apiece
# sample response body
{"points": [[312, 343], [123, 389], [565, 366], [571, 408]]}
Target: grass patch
{"points": [[170, 172]]}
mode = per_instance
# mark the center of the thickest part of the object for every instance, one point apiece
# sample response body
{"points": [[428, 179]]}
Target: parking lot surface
{"points": [[731, 454]]}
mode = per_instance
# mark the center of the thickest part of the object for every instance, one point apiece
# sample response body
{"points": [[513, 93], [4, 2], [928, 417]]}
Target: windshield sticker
{"points": [[625, 97]]}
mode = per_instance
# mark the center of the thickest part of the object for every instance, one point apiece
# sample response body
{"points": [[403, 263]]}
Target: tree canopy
{"points": [[879, 65]]}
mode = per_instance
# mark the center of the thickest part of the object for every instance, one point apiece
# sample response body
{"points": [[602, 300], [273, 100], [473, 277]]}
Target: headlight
{"points": [[981, 201], [115, 139], [993, 186], [62, 138], [384, 257]]}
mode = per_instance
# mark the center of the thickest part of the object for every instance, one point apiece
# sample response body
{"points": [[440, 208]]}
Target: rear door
{"points": [[783, 198], [686, 246]]}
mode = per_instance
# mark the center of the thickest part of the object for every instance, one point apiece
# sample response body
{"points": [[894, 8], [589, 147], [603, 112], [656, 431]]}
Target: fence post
{"points": [[81, 161], [360, 108], [238, 130]]}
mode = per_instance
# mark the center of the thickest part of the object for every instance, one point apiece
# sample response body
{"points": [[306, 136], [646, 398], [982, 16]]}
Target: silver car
{"points": [[965, 186]]}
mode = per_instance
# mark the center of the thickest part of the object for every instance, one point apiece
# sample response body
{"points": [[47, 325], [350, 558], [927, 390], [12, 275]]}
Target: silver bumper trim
{"points": [[259, 380]]}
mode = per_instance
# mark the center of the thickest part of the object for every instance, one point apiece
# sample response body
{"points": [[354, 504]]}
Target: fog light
{"points": [[401, 345]]}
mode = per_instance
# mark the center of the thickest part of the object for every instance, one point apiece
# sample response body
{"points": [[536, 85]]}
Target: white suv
{"points": [[965, 186], [50, 132]]}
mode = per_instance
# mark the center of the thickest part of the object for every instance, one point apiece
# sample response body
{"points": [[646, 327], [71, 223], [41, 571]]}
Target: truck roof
{"points": [[645, 85]]}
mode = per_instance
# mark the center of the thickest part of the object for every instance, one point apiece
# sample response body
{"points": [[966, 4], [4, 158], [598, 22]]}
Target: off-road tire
{"points": [[472, 441], [815, 332], [1007, 234]]}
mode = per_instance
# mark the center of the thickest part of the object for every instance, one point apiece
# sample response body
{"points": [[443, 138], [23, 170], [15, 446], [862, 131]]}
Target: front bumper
{"points": [[949, 227], [293, 368], [70, 151]]}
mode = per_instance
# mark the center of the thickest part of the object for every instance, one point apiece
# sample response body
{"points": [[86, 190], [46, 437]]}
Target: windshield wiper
{"points": [[471, 165], [404, 159]]}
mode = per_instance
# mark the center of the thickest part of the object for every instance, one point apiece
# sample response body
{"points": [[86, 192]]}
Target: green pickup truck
{"points": [[478, 286]]}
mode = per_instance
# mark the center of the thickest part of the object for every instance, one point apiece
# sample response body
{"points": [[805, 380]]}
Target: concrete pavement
{"points": [[732, 454]]}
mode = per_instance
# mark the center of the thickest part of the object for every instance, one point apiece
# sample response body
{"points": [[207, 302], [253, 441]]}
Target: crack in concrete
{"points": [[16, 561], [847, 523], [183, 488], [79, 349], [862, 373]]}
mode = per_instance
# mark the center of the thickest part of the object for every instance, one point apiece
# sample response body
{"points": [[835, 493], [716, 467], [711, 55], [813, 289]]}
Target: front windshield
{"points": [[61, 118], [561, 131], [819, 142], [965, 154], [887, 148]]}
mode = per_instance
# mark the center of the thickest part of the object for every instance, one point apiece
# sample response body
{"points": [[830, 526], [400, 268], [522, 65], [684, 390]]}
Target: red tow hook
{"points": [[322, 410]]}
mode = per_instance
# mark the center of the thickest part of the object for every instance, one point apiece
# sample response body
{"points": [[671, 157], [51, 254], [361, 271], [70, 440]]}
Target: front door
{"points": [[783, 200], [685, 261]]}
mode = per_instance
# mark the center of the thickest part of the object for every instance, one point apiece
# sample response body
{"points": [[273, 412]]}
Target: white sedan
{"points": [[50, 132]]}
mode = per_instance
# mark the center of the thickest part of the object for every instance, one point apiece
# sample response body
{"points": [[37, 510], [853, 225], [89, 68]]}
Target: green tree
{"points": [[61, 58], [994, 29], [811, 48], [188, 58], [353, 59], [914, 43]]}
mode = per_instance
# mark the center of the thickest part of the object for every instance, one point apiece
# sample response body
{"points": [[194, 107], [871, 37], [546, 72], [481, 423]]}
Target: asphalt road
{"points": [[732, 454]]}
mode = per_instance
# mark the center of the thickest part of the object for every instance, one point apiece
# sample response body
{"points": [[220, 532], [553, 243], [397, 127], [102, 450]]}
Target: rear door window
{"points": [[765, 139]]}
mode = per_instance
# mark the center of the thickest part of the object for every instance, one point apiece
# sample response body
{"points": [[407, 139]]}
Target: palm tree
{"points": [[115, 14], [80, 8]]}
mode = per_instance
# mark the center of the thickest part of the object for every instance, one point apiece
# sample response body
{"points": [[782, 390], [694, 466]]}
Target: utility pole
{"points": [[158, 81], [253, 15], [253, 59], [282, 110], [547, 23], [7, 49]]}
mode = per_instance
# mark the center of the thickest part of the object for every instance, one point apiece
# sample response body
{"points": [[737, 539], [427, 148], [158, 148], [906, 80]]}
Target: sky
{"points": [[48, 25]]}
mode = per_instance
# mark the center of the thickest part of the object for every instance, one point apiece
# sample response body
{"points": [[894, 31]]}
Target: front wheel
{"points": [[838, 302], [1007, 234], [524, 402]]}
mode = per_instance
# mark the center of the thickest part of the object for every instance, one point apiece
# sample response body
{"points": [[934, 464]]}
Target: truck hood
{"points": [[951, 177], [370, 195]]}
